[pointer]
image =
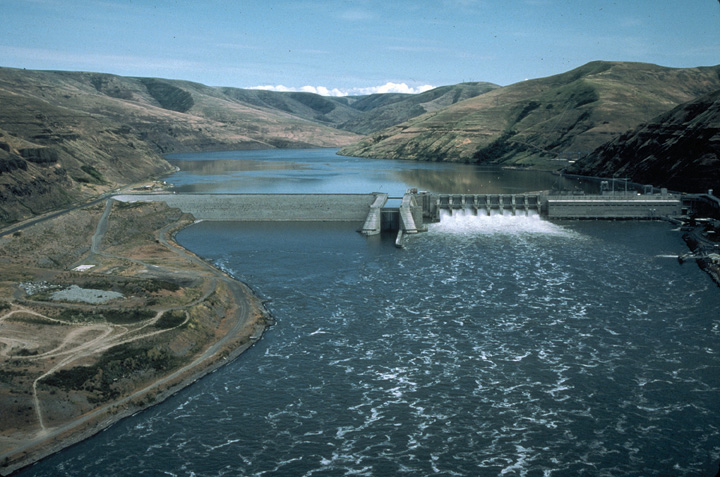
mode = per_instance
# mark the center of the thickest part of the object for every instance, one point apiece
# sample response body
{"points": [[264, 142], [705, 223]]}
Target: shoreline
{"points": [[250, 319]]}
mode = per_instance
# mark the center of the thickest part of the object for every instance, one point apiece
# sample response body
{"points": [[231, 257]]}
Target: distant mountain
{"points": [[679, 150], [385, 110], [360, 114], [66, 136], [539, 121], [69, 135]]}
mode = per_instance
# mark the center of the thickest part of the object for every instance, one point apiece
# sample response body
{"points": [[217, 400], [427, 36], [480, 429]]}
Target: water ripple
{"points": [[490, 346]]}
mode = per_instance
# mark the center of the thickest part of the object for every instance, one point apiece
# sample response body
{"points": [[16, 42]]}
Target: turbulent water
{"points": [[489, 346]]}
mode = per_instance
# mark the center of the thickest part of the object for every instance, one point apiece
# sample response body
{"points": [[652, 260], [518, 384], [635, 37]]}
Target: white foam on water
{"points": [[464, 222]]}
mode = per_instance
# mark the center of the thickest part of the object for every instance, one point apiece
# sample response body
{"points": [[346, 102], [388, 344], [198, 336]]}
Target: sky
{"points": [[338, 47]]}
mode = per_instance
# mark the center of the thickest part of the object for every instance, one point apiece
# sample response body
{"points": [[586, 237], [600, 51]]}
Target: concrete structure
{"points": [[373, 221], [617, 206], [415, 210], [706, 205], [482, 204], [560, 206], [267, 207]]}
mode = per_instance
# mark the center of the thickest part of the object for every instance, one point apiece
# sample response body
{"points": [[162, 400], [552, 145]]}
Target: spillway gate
{"points": [[479, 204]]}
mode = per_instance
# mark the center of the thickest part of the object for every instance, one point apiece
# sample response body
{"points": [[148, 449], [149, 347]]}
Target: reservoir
{"points": [[500, 345]]}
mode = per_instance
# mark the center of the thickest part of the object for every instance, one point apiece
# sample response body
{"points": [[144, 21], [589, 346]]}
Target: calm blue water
{"points": [[489, 346], [321, 171]]}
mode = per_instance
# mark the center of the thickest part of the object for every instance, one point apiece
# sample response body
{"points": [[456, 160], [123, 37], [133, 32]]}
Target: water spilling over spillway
{"points": [[464, 221], [491, 345]]}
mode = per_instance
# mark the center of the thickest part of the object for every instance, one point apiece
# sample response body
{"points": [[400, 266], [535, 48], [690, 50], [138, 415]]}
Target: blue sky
{"points": [[359, 46]]}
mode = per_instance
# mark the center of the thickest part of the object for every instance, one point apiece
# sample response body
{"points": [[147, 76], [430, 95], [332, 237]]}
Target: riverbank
{"points": [[197, 319], [705, 251]]}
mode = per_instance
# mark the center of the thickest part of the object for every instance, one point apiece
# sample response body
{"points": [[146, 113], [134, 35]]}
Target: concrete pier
{"points": [[373, 221]]}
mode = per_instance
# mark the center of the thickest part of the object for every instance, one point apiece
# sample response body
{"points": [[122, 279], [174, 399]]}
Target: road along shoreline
{"points": [[245, 321]]}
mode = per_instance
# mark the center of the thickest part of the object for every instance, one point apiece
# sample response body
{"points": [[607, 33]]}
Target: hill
{"points": [[679, 150], [65, 136], [539, 122], [385, 110], [357, 114]]}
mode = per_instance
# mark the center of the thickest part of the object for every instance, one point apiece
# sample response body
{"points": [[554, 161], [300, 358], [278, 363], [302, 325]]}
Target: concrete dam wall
{"points": [[266, 207], [416, 209]]}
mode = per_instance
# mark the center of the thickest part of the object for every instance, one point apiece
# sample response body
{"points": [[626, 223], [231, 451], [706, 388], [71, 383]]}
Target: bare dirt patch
{"points": [[81, 348]]}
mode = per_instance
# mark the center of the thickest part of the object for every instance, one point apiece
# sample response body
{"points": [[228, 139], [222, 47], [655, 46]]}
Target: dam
{"points": [[416, 208]]}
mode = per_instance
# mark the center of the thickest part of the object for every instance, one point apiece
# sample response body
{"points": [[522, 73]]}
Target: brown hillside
{"points": [[679, 149], [65, 135], [536, 122]]}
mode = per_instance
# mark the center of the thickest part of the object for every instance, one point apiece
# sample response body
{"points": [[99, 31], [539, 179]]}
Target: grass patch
{"points": [[127, 317], [132, 287], [94, 173], [498, 149], [34, 320], [116, 317], [26, 352], [115, 364], [170, 319]]}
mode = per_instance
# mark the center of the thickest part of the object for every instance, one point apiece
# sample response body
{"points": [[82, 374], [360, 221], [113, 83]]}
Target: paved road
{"points": [[51, 215]]}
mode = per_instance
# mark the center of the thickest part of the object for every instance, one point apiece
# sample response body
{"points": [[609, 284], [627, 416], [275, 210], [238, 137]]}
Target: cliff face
{"points": [[538, 121], [679, 149], [65, 136]]}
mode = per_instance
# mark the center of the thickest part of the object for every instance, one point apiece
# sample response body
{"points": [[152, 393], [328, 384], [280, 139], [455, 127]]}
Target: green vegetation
{"points": [[169, 96], [315, 102], [529, 107], [11, 163], [114, 316], [499, 148], [126, 317], [577, 94], [132, 287], [170, 319], [92, 172], [26, 352], [6, 375], [115, 364], [35, 320], [40, 155], [676, 150]]}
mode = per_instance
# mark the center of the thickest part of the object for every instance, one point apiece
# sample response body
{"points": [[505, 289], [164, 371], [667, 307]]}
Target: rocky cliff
{"points": [[679, 149]]}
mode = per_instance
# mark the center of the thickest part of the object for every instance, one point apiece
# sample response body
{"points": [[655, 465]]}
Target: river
{"points": [[493, 345]]}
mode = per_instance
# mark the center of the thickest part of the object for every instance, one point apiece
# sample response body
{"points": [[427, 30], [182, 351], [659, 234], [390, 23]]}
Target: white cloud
{"points": [[395, 88], [389, 87]]}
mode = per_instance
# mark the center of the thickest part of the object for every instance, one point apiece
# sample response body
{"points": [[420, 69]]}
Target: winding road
{"points": [[109, 335]]}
